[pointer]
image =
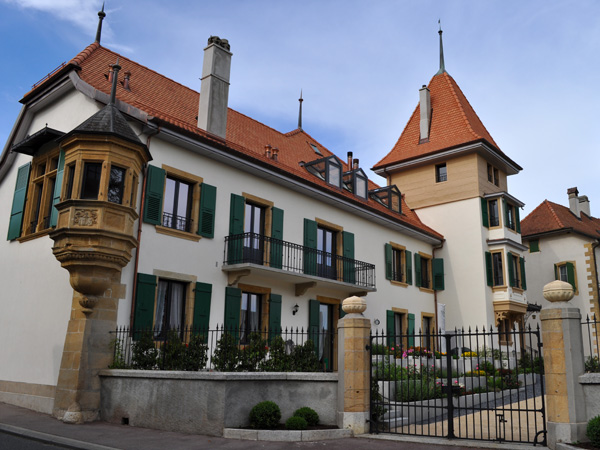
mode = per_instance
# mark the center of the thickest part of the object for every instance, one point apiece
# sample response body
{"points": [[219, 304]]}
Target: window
{"points": [[116, 184], [440, 173], [398, 263], [326, 252], [493, 213], [323, 314], [427, 332], [494, 268], [250, 315], [534, 245], [356, 181], [328, 169], [388, 196], [496, 177], [90, 183], [170, 307], [169, 203], [493, 175], [511, 216], [400, 328], [429, 272], [566, 271], [516, 271], [254, 230]]}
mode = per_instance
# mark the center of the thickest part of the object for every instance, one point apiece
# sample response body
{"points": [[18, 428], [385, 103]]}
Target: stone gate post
{"points": [[563, 363], [353, 367]]}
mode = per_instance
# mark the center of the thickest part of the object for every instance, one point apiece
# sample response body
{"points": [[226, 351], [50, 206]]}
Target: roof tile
{"points": [[551, 217]]}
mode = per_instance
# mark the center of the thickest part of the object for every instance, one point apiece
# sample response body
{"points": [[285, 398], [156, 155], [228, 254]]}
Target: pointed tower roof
{"points": [[454, 123]]}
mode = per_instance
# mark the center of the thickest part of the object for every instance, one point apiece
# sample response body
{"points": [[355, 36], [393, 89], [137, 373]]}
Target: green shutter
{"points": [[505, 209], [534, 246], [208, 205], [276, 237], [18, 205], [571, 275], [342, 312], [233, 303], [556, 272], [484, 213], [511, 268], [517, 219], [348, 254], [201, 318], [60, 170], [437, 268], [310, 247], [408, 264], [417, 270], [411, 330], [390, 327], [523, 277], [274, 316], [145, 295], [488, 269], [155, 186], [235, 244], [313, 323], [389, 268]]}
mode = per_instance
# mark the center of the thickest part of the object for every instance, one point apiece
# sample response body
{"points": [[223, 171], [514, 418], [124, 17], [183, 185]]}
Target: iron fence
{"points": [[255, 248], [481, 385], [180, 223], [226, 350], [590, 328]]}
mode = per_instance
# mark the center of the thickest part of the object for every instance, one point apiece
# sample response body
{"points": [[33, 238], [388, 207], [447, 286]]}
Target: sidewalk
{"points": [[105, 436]]}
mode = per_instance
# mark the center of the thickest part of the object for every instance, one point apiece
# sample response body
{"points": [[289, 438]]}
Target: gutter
{"points": [[435, 299], [594, 247], [7, 158]]}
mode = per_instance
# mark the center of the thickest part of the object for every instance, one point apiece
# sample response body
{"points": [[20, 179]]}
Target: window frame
{"points": [[490, 216], [161, 334], [424, 259], [517, 275], [566, 265], [498, 275], [176, 206], [325, 172], [441, 173]]}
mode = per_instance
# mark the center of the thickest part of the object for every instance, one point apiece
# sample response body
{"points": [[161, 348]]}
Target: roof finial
{"points": [[300, 111], [442, 66], [113, 92], [101, 16]]}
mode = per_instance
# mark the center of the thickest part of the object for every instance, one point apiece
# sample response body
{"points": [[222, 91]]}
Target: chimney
{"points": [[355, 167], [214, 88], [126, 80], [425, 108], [584, 205], [573, 200], [268, 151], [275, 153], [349, 160]]}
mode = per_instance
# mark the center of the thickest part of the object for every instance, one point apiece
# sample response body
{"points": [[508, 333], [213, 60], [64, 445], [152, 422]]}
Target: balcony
{"points": [[251, 253]]}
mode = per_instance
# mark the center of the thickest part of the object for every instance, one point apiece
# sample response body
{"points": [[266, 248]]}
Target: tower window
{"points": [[441, 173]]}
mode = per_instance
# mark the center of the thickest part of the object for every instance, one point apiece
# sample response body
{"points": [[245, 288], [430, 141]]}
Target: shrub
{"points": [[389, 371], [591, 365], [173, 350], [254, 353], [538, 365], [486, 366], [119, 355], [225, 357], [144, 353], [195, 357], [308, 414], [265, 415], [469, 355], [416, 390], [296, 423], [279, 360], [304, 358], [593, 431], [379, 349], [377, 409]]}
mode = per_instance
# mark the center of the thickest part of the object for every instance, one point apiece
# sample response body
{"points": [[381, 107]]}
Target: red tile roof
{"points": [[551, 217], [177, 105], [454, 122]]}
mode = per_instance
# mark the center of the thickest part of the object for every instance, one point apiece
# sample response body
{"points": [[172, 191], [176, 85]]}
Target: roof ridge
{"points": [[550, 206], [85, 53], [449, 79]]}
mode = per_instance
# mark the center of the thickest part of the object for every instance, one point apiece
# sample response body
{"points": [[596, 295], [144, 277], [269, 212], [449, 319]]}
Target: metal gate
{"points": [[481, 385]]}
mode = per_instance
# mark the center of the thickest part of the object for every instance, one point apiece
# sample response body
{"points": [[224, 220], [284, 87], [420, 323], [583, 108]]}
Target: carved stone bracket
{"points": [[236, 275], [301, 288]]}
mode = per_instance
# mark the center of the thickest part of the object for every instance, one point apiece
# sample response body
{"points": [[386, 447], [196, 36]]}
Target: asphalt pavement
{"points": [[28, 430]]}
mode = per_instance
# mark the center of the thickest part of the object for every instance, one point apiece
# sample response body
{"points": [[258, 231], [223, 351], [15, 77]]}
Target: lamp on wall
{"points": [[377, 322], [295, 309]]}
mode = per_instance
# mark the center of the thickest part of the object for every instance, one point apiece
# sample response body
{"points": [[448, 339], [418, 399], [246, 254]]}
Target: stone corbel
{"points": [[500, 316], [301, 288], [236, 275]]}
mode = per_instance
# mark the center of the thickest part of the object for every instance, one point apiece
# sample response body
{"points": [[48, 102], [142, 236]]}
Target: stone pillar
{"points": [[563, 363], [353, 367]]}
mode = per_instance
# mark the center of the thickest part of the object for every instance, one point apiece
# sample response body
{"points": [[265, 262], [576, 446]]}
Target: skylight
{"points": [[316, 149], [328, 169], [388, 196]]}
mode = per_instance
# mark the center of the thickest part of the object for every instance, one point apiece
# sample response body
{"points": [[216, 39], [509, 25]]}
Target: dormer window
{"points": [[316, 149], [356, 182], [388, 196], [328, 169]]}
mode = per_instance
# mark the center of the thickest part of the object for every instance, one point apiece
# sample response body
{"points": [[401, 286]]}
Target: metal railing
{"points": [[262, 250], [591, 348], [177, 222], [225, 350]]}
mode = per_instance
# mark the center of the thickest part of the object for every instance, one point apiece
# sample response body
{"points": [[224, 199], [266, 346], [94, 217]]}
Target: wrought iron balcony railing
{"points": [[177, 222], [262, 250]]}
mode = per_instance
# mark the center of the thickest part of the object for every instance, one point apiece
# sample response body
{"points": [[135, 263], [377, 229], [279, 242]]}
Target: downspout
{"points": [[594, 247], [435, 300], [139, 233]]}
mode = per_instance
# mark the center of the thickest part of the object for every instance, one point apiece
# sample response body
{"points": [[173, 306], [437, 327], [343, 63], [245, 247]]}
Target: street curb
{"points": [[479, 444], [285, 435], [52, 439]]}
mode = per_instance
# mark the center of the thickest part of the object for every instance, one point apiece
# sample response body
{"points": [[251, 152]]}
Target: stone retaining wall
{"points": [[208, 402]]}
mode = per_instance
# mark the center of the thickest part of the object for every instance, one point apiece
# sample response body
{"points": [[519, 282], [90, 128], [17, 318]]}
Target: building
{"points": [[454, 175], [168, 209], [563, 244]]}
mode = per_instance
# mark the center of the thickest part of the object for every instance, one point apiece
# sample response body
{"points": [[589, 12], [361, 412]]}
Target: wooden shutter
{"points": [[60, 170], [505, 209], [276, 237], [342, 312], [310, 247], [233, 303], [437, 268], [389, 267], [208, 205], [313, 323], [145, 295], [523, 277], [203, 293], [390, 327], [417, 270], [488, 269], [556, 272], [274, 316], [411, 330], [571, 275], [534, 246], [235, 244], [155, 186], [348, 252], [484, 213], [18, 205], [408, 264], [511, 268], [517, 220]]}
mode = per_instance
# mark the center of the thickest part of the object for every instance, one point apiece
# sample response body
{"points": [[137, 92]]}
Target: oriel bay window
{"points": [[511, 216], [179, 203], [516, 271], [398, 263]]}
